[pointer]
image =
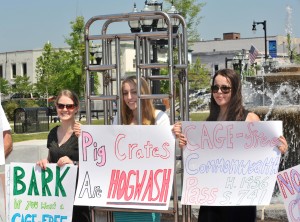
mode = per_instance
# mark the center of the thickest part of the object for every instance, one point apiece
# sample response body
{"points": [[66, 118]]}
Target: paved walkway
{"points": [[27, 152], [34, 150]]}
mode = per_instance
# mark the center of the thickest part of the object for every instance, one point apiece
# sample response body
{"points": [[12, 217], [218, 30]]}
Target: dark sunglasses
{"points": [[224, 89], [68, 106]]}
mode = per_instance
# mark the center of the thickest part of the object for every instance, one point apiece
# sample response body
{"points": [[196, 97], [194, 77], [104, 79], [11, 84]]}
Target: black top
{"points": [[69, 148]]}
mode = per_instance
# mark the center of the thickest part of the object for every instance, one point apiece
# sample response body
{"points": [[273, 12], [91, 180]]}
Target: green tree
{"points": [[76, 61], [22, 85], [61, 69], [292, 50], [198, 75], [190, 10], [45, 72], [5, 88]]}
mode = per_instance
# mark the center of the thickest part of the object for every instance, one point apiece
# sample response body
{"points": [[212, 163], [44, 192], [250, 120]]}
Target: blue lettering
{"points": [[23, 218], [53, 218]]}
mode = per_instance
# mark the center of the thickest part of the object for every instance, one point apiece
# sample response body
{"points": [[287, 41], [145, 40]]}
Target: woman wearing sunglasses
{"points": [[63, 143], [227, 105]]}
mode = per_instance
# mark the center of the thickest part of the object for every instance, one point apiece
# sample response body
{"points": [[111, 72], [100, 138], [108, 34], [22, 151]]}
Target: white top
{"points": [[161, 118], [4, 122]]}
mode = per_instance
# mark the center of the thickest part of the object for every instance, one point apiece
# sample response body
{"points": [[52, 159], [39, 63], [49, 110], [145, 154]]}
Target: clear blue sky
{"points": [[29, 24]]}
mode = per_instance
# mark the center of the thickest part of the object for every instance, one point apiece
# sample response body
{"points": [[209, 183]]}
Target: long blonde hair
{"points": [[148, 111]]}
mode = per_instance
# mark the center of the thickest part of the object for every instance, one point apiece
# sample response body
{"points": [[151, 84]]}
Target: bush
{"points": [[9, 108]]}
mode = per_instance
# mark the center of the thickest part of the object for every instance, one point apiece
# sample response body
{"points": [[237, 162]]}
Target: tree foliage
{"points": [[62, 69], [190, 10], [198, 75], [4, 86], [22, 85], [292, 50]]}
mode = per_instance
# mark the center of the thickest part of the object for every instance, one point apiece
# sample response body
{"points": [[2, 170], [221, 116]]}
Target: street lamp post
{"points": [[264, 23], [237, 63], [148, 25], [95, 56]]}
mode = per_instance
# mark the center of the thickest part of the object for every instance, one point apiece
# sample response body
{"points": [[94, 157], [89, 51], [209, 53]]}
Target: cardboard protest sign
{"points": [[7, 190], [41, 195], [2, 155], [2, 197], [288, 183], [126, 166], [230, 163]]}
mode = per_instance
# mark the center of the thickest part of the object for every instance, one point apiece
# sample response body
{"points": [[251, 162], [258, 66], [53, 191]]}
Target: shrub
{"points": [[9, 108]]}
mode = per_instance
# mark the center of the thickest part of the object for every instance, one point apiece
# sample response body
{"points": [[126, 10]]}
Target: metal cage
{"points": [[109, 69]]}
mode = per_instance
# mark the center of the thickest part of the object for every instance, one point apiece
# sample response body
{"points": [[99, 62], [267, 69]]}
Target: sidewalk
{"points": [[27, 152], [34, 150]]}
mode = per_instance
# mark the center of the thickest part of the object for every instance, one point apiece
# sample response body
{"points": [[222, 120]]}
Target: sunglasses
{"points": [[224, 89], [68, 106]]}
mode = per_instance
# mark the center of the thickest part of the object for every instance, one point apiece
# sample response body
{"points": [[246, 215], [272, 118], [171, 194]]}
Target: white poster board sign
{"points": [[2, 198], [2, 155], [125, 166], [230, 163], [7, 190], [288, 183], [41, 195]]}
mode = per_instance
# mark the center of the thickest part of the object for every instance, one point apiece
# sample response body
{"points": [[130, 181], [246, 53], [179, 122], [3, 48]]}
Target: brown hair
{"points": [[148, 111], [235, 110], [68, 93]]}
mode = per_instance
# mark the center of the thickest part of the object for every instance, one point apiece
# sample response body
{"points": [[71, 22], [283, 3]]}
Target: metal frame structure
{"points": [[110, 69]]}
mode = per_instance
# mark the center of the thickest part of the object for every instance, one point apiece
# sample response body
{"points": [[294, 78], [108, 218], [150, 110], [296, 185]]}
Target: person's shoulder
{"points": [[252, 117], [53, 130], [161, 118], [160, 113]]}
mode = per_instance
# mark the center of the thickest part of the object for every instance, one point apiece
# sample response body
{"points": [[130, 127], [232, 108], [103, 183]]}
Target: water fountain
{"points": [[276, 96]]}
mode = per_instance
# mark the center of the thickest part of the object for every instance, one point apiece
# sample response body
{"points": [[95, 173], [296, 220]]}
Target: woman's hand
{"points": [[177, 129], [77, 128], [42, 163], [282, 146], [182, 140], [63, 161]]}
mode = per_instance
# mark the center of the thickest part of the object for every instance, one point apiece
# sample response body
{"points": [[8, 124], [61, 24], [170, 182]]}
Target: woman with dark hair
{"points": [[63, 143], [226, 98], [227, 105]]}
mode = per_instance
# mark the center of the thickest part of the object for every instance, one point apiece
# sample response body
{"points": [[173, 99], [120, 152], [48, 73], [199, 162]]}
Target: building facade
{"points": [[215, 53]]}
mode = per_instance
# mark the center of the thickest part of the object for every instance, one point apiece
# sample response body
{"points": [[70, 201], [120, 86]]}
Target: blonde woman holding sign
{"points": [[129, 116]]}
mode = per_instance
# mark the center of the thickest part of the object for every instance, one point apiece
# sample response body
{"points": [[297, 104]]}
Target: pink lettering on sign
{"points": [[150, 186], [125, 150], [223, 136], [99, 152], [289, 182], [199, 195], [216, 139]]}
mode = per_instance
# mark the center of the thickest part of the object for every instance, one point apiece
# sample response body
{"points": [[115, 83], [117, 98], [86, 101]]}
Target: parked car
{"points": [[18, 96]]}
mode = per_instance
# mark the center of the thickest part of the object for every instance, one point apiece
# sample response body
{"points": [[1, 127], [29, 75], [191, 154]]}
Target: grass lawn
{"points": [[43, 135]]}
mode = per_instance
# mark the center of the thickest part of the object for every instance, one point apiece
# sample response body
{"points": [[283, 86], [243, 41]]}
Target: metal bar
{"points": [[101, 67], [153, 65]]}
